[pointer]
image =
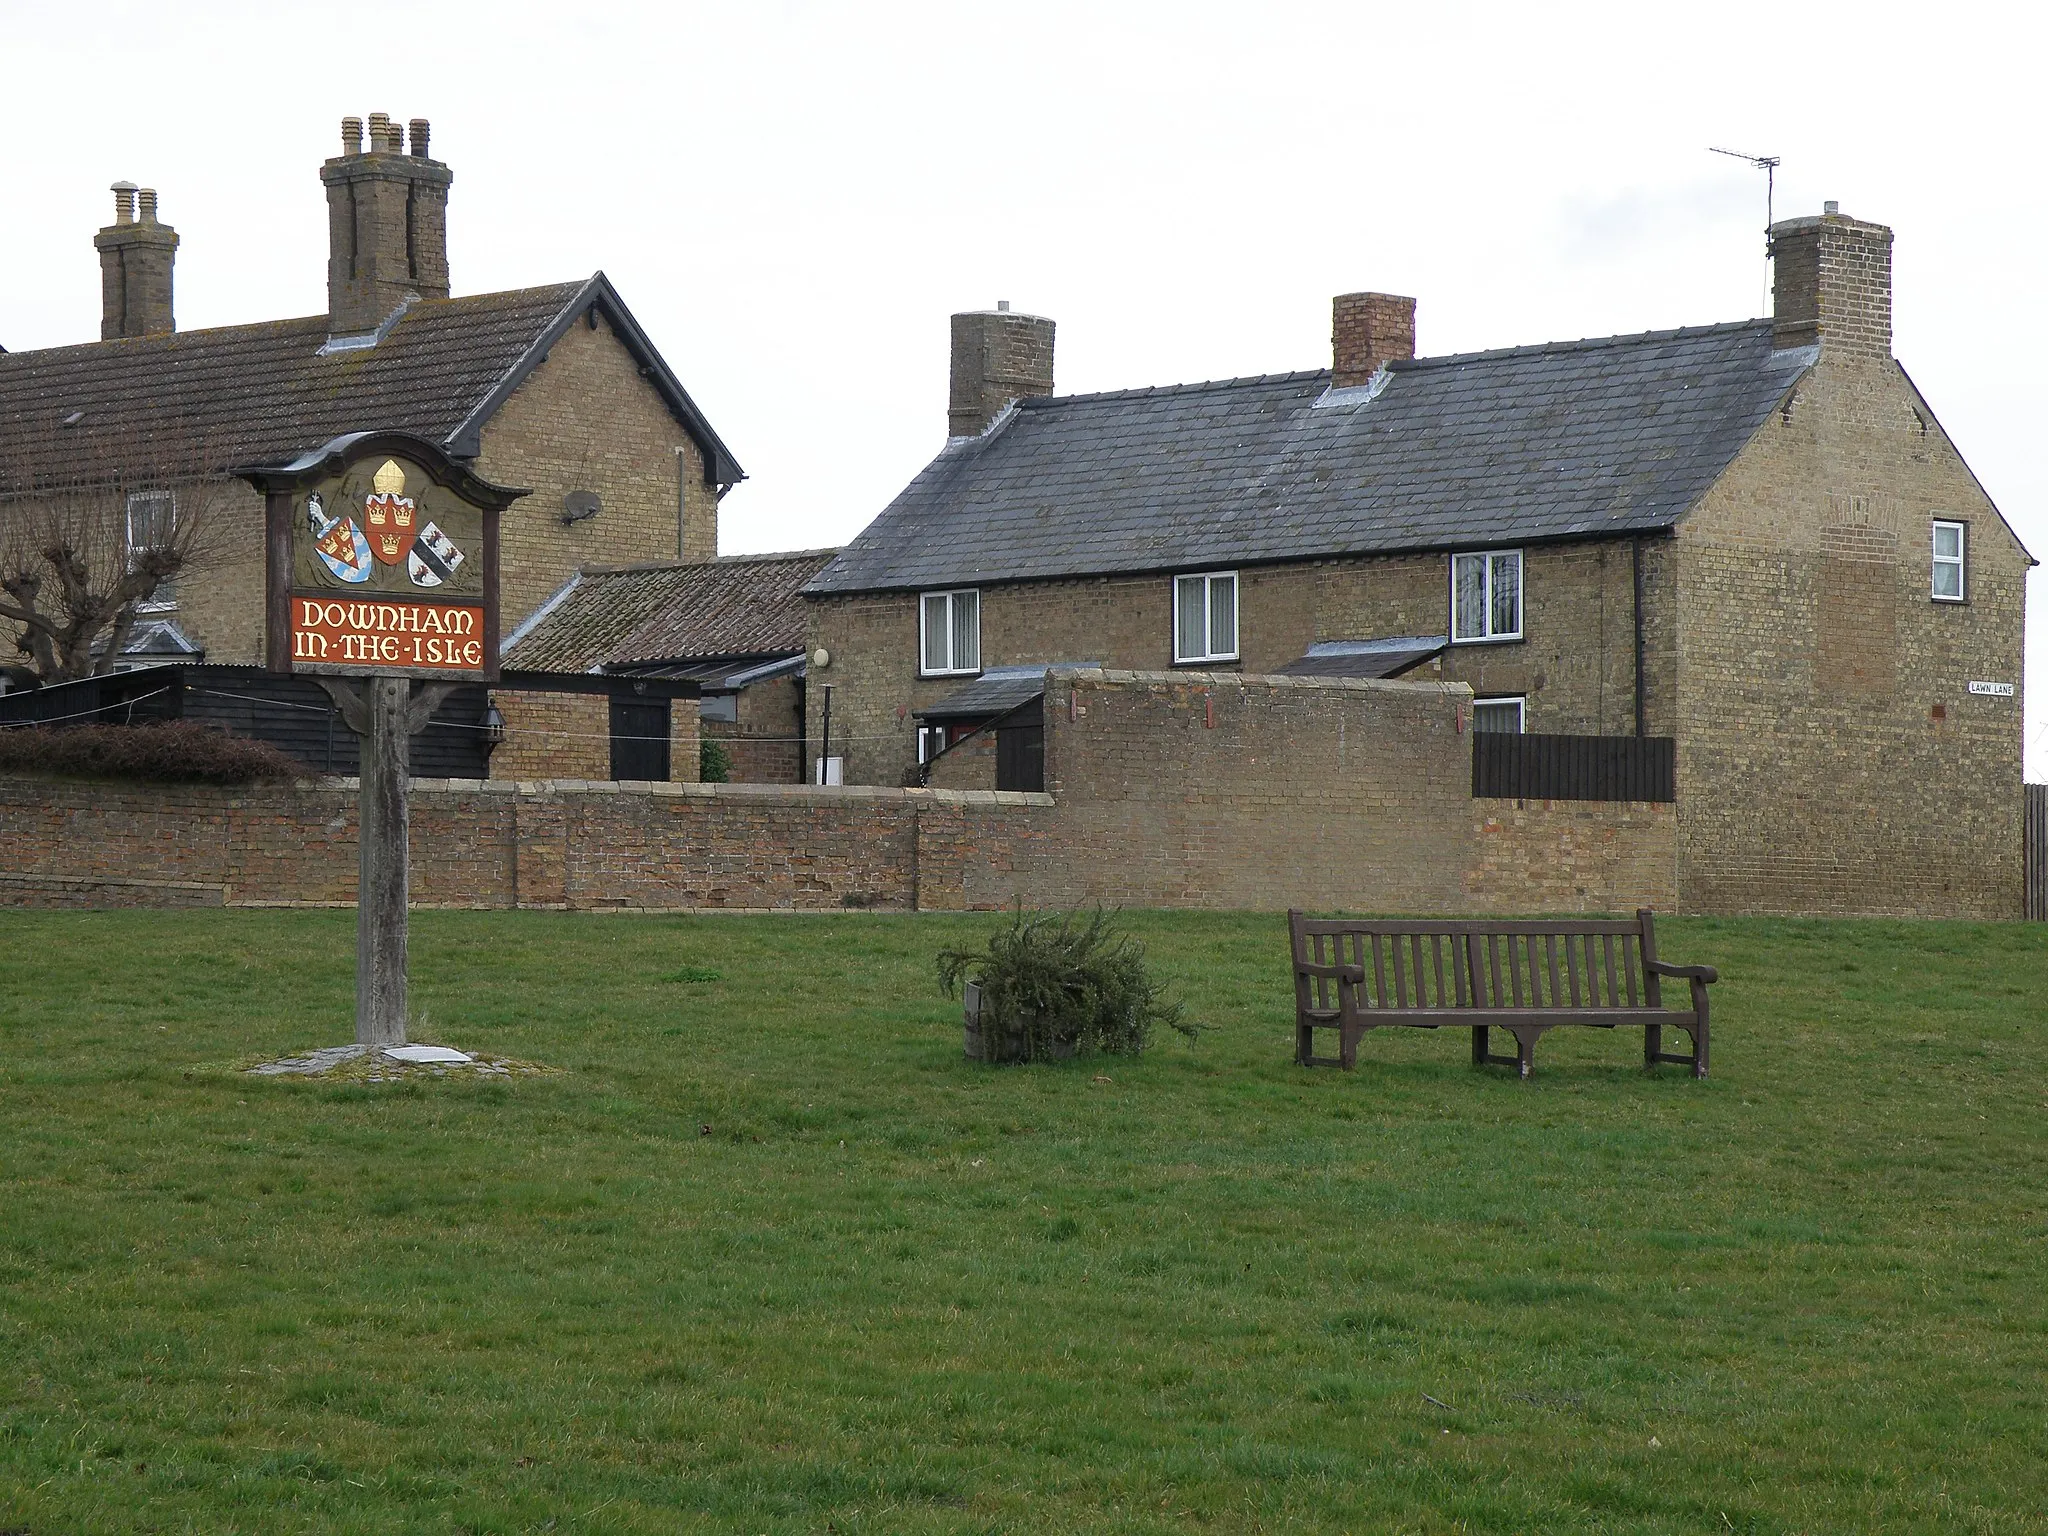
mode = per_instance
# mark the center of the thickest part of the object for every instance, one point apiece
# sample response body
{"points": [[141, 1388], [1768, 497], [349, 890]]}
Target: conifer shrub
{"points": [[1062, 984]]}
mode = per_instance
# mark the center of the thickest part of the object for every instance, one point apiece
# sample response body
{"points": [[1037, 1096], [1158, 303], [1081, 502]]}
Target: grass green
{"points": [[769, 1256]]}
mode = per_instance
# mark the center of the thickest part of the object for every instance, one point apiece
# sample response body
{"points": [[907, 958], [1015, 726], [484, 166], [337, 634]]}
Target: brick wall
{"points": [[553, 736], [1830, 756], [763, 744], [1353, 796]]}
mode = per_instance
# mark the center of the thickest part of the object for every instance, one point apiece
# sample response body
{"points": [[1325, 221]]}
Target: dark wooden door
{"points": [[640, 739], [1020, 757]]}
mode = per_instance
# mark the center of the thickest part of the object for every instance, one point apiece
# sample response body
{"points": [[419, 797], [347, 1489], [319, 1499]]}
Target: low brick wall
{"points": [[1166, 790]]}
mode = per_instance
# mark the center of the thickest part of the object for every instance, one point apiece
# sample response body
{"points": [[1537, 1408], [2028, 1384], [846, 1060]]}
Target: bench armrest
{"points": [[1351, 973], [1683, 972]]}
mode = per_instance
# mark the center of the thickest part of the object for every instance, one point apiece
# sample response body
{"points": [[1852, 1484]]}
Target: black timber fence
{"points": [[1512, 766], [2035, 834]]}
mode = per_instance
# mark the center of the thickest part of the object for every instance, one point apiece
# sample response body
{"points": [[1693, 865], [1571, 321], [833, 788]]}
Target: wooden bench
{"points": [[1356, 974]]}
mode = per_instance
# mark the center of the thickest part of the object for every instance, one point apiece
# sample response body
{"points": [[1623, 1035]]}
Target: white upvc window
{"points": [[1205, 617], [1486, 596], [153, 524], [949, 632], [1951, 561], [1503, 714]]}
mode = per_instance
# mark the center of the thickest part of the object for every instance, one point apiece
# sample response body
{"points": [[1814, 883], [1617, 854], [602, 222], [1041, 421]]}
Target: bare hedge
{"points": [[174, 752]]}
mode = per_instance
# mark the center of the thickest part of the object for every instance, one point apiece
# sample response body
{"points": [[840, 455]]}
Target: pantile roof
{"points": [[261, 394], [1572, 440], [741, 605]]}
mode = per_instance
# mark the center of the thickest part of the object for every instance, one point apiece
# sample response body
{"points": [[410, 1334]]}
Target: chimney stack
{"points": [[1833, 285], [998, 356], [1368, 331], [136, 253], [387, 224]]}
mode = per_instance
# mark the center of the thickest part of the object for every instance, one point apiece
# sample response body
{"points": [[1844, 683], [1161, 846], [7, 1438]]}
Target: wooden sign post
{"points": [[382, 584]]}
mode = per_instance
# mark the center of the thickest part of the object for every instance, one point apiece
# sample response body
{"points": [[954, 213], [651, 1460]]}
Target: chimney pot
{"points": [[387, 226], [351, 135], [998, 357], [1368, 331], [136, 258]]}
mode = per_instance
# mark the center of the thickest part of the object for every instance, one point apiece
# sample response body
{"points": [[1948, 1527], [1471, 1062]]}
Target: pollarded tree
{"points": [[91, 539]]}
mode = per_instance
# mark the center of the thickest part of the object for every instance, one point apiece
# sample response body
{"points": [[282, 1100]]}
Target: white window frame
{"points": [[953, 668], [165, 599], [828, 770], [1209, 580], [1490, 635], [1960, 560], [1521, 704]]}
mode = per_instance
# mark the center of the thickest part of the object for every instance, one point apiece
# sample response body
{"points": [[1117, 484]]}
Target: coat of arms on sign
{"points": [[338, 542], [389, 515]]}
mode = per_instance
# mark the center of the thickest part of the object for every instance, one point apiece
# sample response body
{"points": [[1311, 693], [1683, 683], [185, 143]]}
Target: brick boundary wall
{"points": [[1166, 790]]}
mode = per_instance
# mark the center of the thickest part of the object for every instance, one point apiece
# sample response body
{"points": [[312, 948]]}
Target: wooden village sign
{"points": [[381, 582]]}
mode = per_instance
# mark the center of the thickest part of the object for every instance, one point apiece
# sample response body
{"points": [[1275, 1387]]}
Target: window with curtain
{"points": [[1205, 617], [951, 638], [1486, 596]]}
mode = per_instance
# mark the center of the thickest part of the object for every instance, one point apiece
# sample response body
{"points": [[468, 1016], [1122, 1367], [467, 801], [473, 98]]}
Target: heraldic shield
{"points": [[389, 515], [338, 542]]}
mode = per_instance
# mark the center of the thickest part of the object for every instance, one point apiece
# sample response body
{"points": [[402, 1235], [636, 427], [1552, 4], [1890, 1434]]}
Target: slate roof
{"points": [[739, 606], [261, 394], [1366, 658], [996, 692], [1571, 440]]}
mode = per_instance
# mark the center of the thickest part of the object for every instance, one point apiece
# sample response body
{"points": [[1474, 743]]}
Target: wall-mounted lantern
{"points": [[492, 725]]}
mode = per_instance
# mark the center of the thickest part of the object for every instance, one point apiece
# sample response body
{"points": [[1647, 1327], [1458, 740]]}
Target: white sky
{"points": [[794, 197]]}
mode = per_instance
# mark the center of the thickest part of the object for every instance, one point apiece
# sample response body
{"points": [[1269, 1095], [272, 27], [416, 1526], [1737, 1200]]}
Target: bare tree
{"points": [[93, 527]]}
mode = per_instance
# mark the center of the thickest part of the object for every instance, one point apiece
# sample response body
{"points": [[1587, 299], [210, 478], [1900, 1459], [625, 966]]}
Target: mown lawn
{"points": [[769, 1256]]}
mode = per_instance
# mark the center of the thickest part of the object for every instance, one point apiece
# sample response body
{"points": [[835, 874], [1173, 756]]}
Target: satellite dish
{"points": [[578, 506]]}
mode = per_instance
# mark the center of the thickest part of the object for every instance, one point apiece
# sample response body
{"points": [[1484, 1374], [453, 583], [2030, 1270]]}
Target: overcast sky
{"points": [[792, 198]]}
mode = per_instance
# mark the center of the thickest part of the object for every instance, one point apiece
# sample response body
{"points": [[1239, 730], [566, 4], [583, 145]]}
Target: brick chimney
{"points": [[1366, 331], [997, 357], [136, 253], [1833, 285], [387, 224]]}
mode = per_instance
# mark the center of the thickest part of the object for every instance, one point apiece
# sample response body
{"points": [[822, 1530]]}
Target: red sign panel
{"points": [[371, 633]]}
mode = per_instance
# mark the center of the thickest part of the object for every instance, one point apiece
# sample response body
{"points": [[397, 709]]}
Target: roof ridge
{"points": [[717, 562], [162, 338], [1243, 381], [1583, 344]]}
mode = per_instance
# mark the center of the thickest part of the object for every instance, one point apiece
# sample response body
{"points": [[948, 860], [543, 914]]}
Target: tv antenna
{"points": [[1768, 164]]}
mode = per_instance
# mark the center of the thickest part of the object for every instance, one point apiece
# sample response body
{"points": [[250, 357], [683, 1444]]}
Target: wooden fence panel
{"points": [[1510, 766], [2036, 837]]}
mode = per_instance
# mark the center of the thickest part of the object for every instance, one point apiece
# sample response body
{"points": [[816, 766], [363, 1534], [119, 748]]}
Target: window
{"points": [[950, 632], [1205, 617], [719, 706], [828, 770], [1502, 715], [1486, 596], [1951, 555], [153, 524]]}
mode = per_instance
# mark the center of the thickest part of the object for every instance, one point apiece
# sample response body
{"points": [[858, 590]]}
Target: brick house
{"points": [[1751, 543], [734, 627], [556, 388]]}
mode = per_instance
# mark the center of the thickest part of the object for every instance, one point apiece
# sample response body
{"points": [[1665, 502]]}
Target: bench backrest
{"points": [[1476, 963]]}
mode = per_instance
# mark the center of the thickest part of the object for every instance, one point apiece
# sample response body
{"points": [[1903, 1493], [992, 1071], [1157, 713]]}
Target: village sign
{"points": [[381, 567]]}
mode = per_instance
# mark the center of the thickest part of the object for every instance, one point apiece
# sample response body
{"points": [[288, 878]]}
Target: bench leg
{"points": [[1304, 1043], [1479, 1045], [1699, 1030], [1525, 1053], [1349, 1034], [1653, 1046]]}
